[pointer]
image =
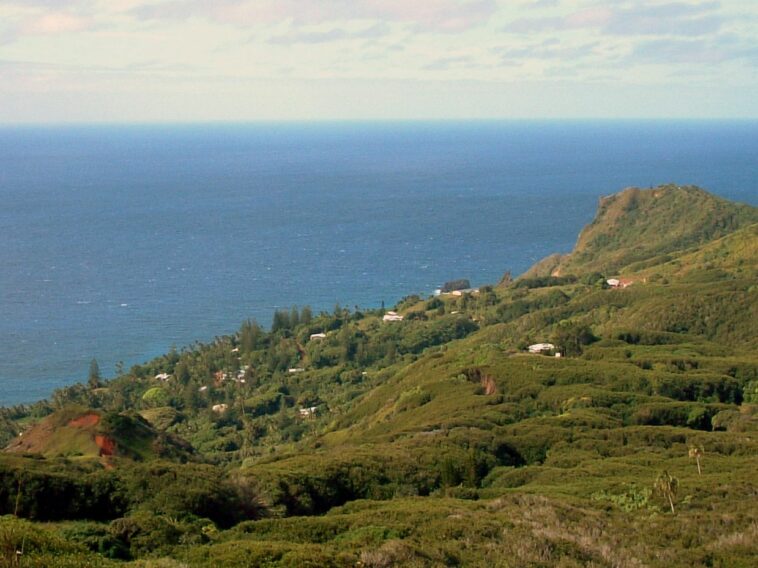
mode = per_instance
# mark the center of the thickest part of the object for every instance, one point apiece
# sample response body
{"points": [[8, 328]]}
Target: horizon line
{"points": [[317, 121]]}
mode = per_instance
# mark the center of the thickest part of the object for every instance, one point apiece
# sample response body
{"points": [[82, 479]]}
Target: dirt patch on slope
{"points": [[31, 441], [485, 380], [488, 384], [107, 445], [85, 421]]}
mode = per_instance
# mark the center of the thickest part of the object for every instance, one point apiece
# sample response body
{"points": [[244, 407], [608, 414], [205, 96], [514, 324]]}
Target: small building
{"points": [[392, 316], [619, 282], [203, 388], [315, 336], [236, 350], [541, 347], [295, 370], [220, 408], [307, 412], [162, 377]]}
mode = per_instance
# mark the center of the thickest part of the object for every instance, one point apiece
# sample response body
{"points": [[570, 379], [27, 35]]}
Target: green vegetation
{"points": [[337, 439]]}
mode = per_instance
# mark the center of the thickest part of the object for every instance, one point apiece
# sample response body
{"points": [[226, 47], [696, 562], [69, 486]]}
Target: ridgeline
{"points": [[600, 410]]}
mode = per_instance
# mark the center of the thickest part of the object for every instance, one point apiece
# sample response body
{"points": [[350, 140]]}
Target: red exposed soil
{"points": [[85, 421], [486, 381], [488, 384], [107, 445]]}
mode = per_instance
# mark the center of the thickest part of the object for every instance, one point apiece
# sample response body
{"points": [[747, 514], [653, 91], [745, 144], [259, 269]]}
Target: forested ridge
{"points": [[434, 438]]}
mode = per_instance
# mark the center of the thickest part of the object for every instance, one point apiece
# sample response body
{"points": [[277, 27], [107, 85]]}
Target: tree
{"points": [[294, 317], [667, 486], [281, 321], [306, 316], [571, 337], [460, 284], [696, 453], [93, 378], [250, 335]]}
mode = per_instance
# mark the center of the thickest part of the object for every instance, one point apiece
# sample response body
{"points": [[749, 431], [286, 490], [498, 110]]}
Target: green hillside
{"points": [[638, 225], [78, 432], [342, 439]]}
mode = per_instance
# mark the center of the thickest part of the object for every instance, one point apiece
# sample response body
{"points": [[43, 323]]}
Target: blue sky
{"points": [[207, 60]]}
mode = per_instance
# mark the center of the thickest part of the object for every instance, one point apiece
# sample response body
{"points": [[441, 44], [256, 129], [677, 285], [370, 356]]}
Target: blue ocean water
{"points": [[119, 242]]}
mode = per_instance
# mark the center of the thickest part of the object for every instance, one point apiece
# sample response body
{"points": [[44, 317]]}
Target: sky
{"points": [[245, 60]]}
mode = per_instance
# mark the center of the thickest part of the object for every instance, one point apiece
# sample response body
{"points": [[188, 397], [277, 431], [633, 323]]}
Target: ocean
{"points": [[119, 242]]}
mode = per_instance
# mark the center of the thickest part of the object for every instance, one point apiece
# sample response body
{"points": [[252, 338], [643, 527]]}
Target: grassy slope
{"points": [[637, 225], [85, 433]]}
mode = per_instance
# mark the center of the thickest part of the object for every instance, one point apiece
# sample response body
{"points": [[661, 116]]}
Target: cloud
{"points": [[693, 52], [673, 18], [55, 23], [549, 49], [45, 18], [439, 15], [543, 4], [299, 36], [456, 62]]}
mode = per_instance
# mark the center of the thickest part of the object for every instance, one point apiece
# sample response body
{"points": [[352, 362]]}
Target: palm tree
{"points": [[667, 486], [696, 453]]}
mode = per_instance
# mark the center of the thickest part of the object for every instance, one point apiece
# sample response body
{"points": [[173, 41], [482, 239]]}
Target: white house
{"points": [[295, 370], [392, 316], [162, 377], [541, 347], [220, 408], [307, 412], [315, 336]]}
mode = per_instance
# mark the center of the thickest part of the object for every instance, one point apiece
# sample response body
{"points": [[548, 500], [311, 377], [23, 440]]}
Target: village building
{"points": [[220, 408], [162, 377], [541, 347], [392, 316], [240, 378], [307, 412], [315, 336], [295, 370]]}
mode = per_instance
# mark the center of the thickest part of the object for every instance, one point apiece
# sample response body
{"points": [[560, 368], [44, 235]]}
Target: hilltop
{"points": [[637, 225], [87, 433], [435, 437]]}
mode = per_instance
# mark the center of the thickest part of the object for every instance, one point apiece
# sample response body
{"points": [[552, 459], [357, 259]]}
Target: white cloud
{"points": [[300, 35]]}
